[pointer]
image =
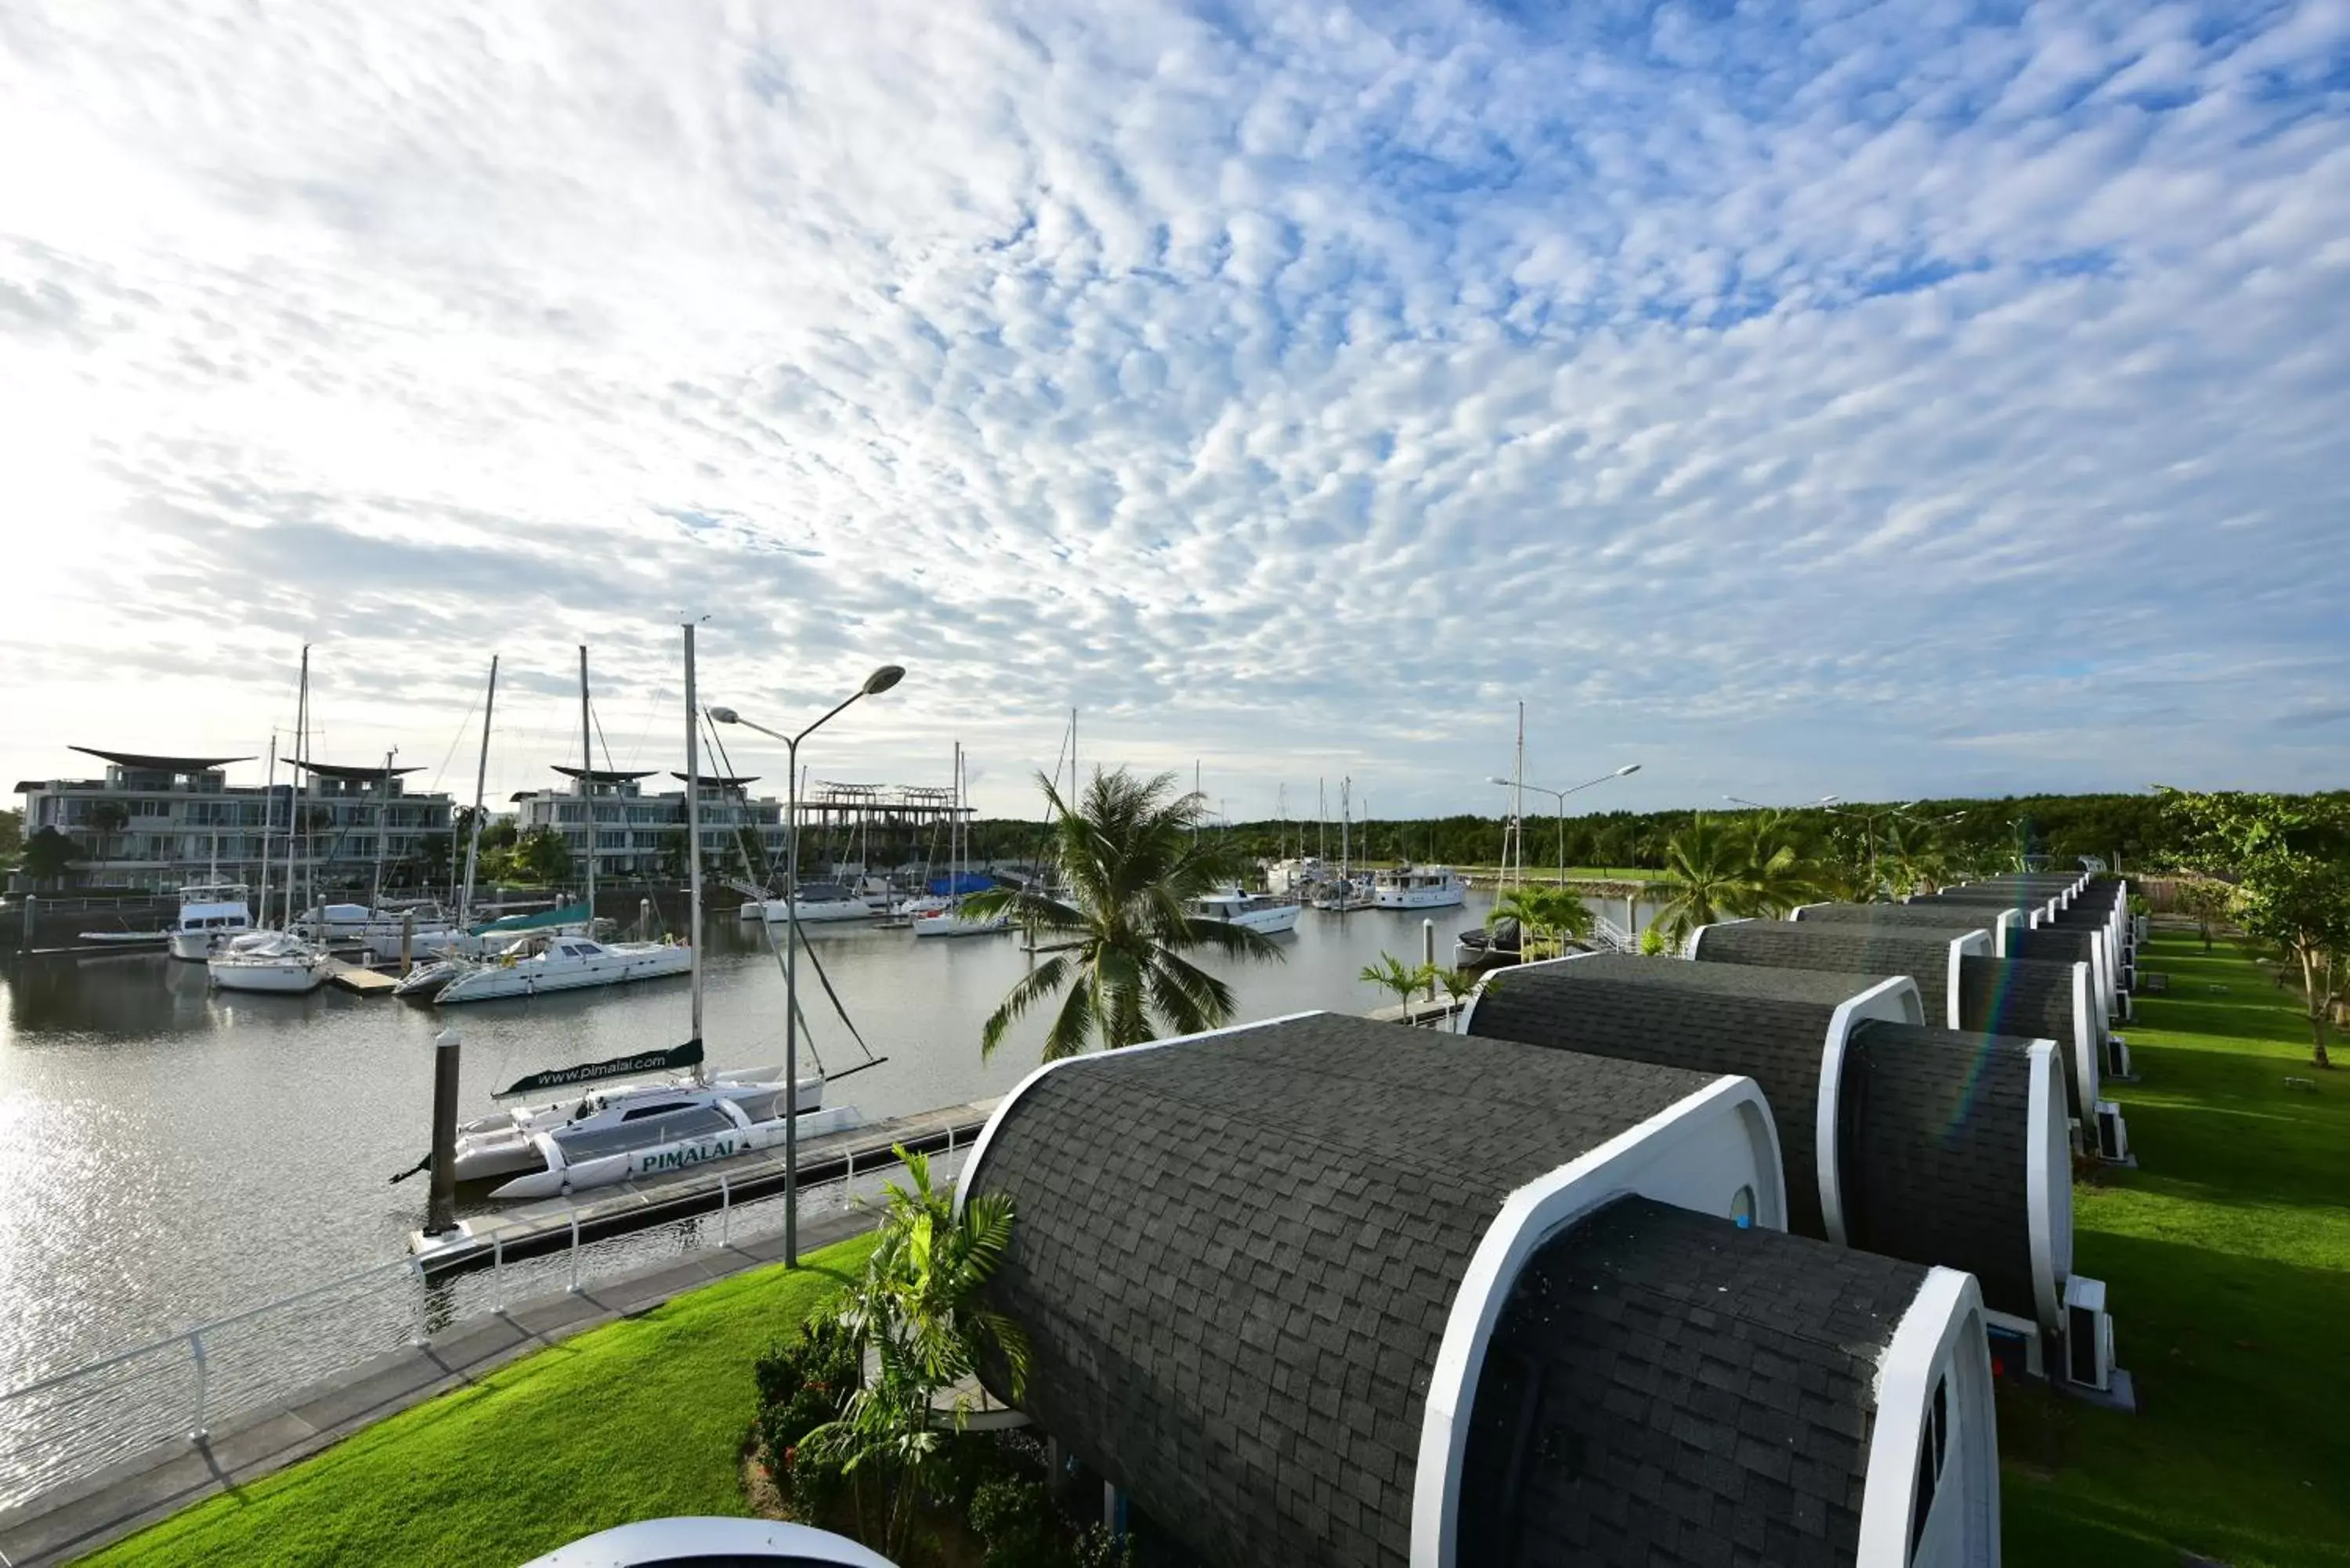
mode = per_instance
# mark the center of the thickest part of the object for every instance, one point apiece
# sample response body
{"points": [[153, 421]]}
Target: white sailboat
{"points": [[1255, 911], [541, 965], [949, 921], [820, 903], [269, 961], [672, 1116]]}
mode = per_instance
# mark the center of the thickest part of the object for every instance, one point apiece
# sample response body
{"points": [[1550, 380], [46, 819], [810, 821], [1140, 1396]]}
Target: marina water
{"points": [[171, 1155]]}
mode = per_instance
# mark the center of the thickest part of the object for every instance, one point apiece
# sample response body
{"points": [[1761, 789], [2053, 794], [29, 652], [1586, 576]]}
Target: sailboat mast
{"points": [[297, 805], [1321, 821], [268, 820], [692, 834], [587, 783], [382, 830], [481, 788], [1074, 785]]}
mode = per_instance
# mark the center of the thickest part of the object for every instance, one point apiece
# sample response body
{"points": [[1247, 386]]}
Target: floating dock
{"points": [[358, 978], [551, 1224]]}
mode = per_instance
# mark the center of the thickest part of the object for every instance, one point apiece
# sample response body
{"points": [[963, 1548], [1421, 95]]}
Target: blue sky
{"points": [[1874, 400]]}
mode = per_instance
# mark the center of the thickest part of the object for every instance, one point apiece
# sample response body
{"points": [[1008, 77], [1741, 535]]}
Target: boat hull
{"points": [[1417, 897], [291, 977], [619, 966], [949, 924]]}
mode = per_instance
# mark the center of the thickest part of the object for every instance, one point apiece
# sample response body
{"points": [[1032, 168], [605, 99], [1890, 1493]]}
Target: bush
{"points": [[1652, 942], [1014, 1519], [803, 1383]]}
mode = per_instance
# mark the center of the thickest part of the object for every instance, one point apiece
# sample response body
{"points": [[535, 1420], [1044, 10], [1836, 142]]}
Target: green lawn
{"points": [[2227, 1260], [637, 1420]]}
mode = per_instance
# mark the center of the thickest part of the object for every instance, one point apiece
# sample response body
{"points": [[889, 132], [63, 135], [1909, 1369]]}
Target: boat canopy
{"points": [[969, 882], [568, 915]]}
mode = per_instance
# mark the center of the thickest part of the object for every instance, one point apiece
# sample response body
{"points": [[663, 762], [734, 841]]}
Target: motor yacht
{"points": [[1417, 888], [1257, 912], [212, 915]]}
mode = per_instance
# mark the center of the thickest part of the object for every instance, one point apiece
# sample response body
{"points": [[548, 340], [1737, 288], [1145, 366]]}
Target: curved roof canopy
{"points": [[604, 776], [345, 770], [158, 764]]}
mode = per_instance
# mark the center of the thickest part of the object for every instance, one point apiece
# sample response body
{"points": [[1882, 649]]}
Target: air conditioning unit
{"points": [[2088, 1334], [2117, 1058], [2113, 1134], [2140, 925]]}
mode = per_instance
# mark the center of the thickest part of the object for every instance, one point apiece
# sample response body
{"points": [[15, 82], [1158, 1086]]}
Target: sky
{"points": [[1793, 398]]}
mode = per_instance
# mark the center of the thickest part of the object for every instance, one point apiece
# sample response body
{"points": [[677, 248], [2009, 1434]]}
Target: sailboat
{"points": [[657, 1110], [951, 921]]}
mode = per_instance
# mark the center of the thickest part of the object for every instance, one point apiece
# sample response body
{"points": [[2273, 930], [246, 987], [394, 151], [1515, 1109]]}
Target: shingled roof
{"points": [[1924, 953], [1235, 1256], [1940, 1145], [2042, 1000], [1665, 1389], [1767, 1025]]}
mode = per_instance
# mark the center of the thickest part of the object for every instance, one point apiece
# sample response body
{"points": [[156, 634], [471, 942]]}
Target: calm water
{"points": [[170, 1154]]}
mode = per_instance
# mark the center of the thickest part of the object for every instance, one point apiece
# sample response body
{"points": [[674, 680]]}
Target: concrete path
{"points": [[58, 1526]]}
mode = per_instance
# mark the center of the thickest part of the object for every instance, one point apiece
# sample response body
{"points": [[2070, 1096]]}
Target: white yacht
{"points": [[1299, 877], [212, 915], [267, 960], [540, 964], [1257, 911], [609, 1135], [820, 903], [1417, 888], [951, 921]]}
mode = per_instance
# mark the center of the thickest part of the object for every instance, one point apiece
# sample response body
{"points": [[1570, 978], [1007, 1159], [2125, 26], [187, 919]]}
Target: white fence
{"points": [[69, 1426]]}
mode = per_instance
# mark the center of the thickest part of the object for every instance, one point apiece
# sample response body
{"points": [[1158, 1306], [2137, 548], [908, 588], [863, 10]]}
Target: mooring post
{"points": [[407, 941], [440, 1209], [1428, 951], [30, 900]]}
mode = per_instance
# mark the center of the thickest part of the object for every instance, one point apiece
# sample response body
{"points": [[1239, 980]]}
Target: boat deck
{"points": [[547, 1224]]}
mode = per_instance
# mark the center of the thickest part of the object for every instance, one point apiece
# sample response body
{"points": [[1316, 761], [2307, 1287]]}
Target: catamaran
{"points": [[539, 965], [652, 1112]]}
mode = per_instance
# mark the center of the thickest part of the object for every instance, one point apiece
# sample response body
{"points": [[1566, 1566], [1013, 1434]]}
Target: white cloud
{"points": [[1879, 405]]}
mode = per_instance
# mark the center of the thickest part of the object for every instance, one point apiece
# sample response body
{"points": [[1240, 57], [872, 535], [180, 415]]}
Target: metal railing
{"points": [[67, 1426], [1610, 937]]}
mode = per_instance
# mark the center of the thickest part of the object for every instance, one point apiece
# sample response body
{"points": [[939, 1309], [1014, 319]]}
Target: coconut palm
{"points": [[1132, 858], [1909, 859], [1781, 869], [1708, 877], [1405, 979], [106, 818], [1546, 918]]}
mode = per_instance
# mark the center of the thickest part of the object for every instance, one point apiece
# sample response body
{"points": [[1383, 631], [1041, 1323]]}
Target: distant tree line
{"points": [[1976, 832]]}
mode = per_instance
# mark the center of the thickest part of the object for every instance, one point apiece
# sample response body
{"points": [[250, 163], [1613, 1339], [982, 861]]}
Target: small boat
{"points": [[212, 915], [267, 960], [1257, 912], [951, 921], [1417, 888], [122, 938], [541, 964], [820, 903], [1488, 947]]}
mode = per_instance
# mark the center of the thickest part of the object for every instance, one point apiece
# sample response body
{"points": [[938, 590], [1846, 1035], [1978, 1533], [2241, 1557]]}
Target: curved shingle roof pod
{"points": [[1786, 1029], [2074, 944], [1940, 1146], [1258, 1268], [1896, 918], [1954, 1150], [1665, 1389], [2040, 1000], [2039, 905], [1928, 955]]}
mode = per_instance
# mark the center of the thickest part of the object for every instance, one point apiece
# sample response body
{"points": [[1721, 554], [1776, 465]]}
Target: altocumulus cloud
{"points": [[1857, 398]]}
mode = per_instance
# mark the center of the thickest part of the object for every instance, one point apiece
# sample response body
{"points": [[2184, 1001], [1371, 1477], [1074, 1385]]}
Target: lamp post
{"points": [[1560, 796], [880, 680]]}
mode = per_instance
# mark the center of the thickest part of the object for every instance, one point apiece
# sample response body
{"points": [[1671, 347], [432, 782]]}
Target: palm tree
{"points": [[919, 1327], [1546, 918], [106, 818], [1399, 977], [1708, 877], [1909, 858], [1781, 871], [1132, 857]]}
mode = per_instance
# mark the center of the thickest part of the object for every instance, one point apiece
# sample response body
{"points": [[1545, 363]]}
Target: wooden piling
{"points": [[441, 1208]]}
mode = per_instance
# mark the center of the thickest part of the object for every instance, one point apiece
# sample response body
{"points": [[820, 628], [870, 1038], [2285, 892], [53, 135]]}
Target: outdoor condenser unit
{"points": [[2117, 1058], [2113, 1133], [2088, 1334]]}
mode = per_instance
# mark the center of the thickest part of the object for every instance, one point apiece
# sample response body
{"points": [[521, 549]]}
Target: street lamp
{"points": [[1807, 805], [1560, 796], [880, 680]]}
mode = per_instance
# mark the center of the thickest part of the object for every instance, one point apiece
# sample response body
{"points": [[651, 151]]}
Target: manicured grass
{"points": [[2227, 1260], [637, 1420]]}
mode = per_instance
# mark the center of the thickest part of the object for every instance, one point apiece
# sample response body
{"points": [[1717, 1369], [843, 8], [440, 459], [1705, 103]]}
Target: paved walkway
{"points": [[126, 1497]]}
